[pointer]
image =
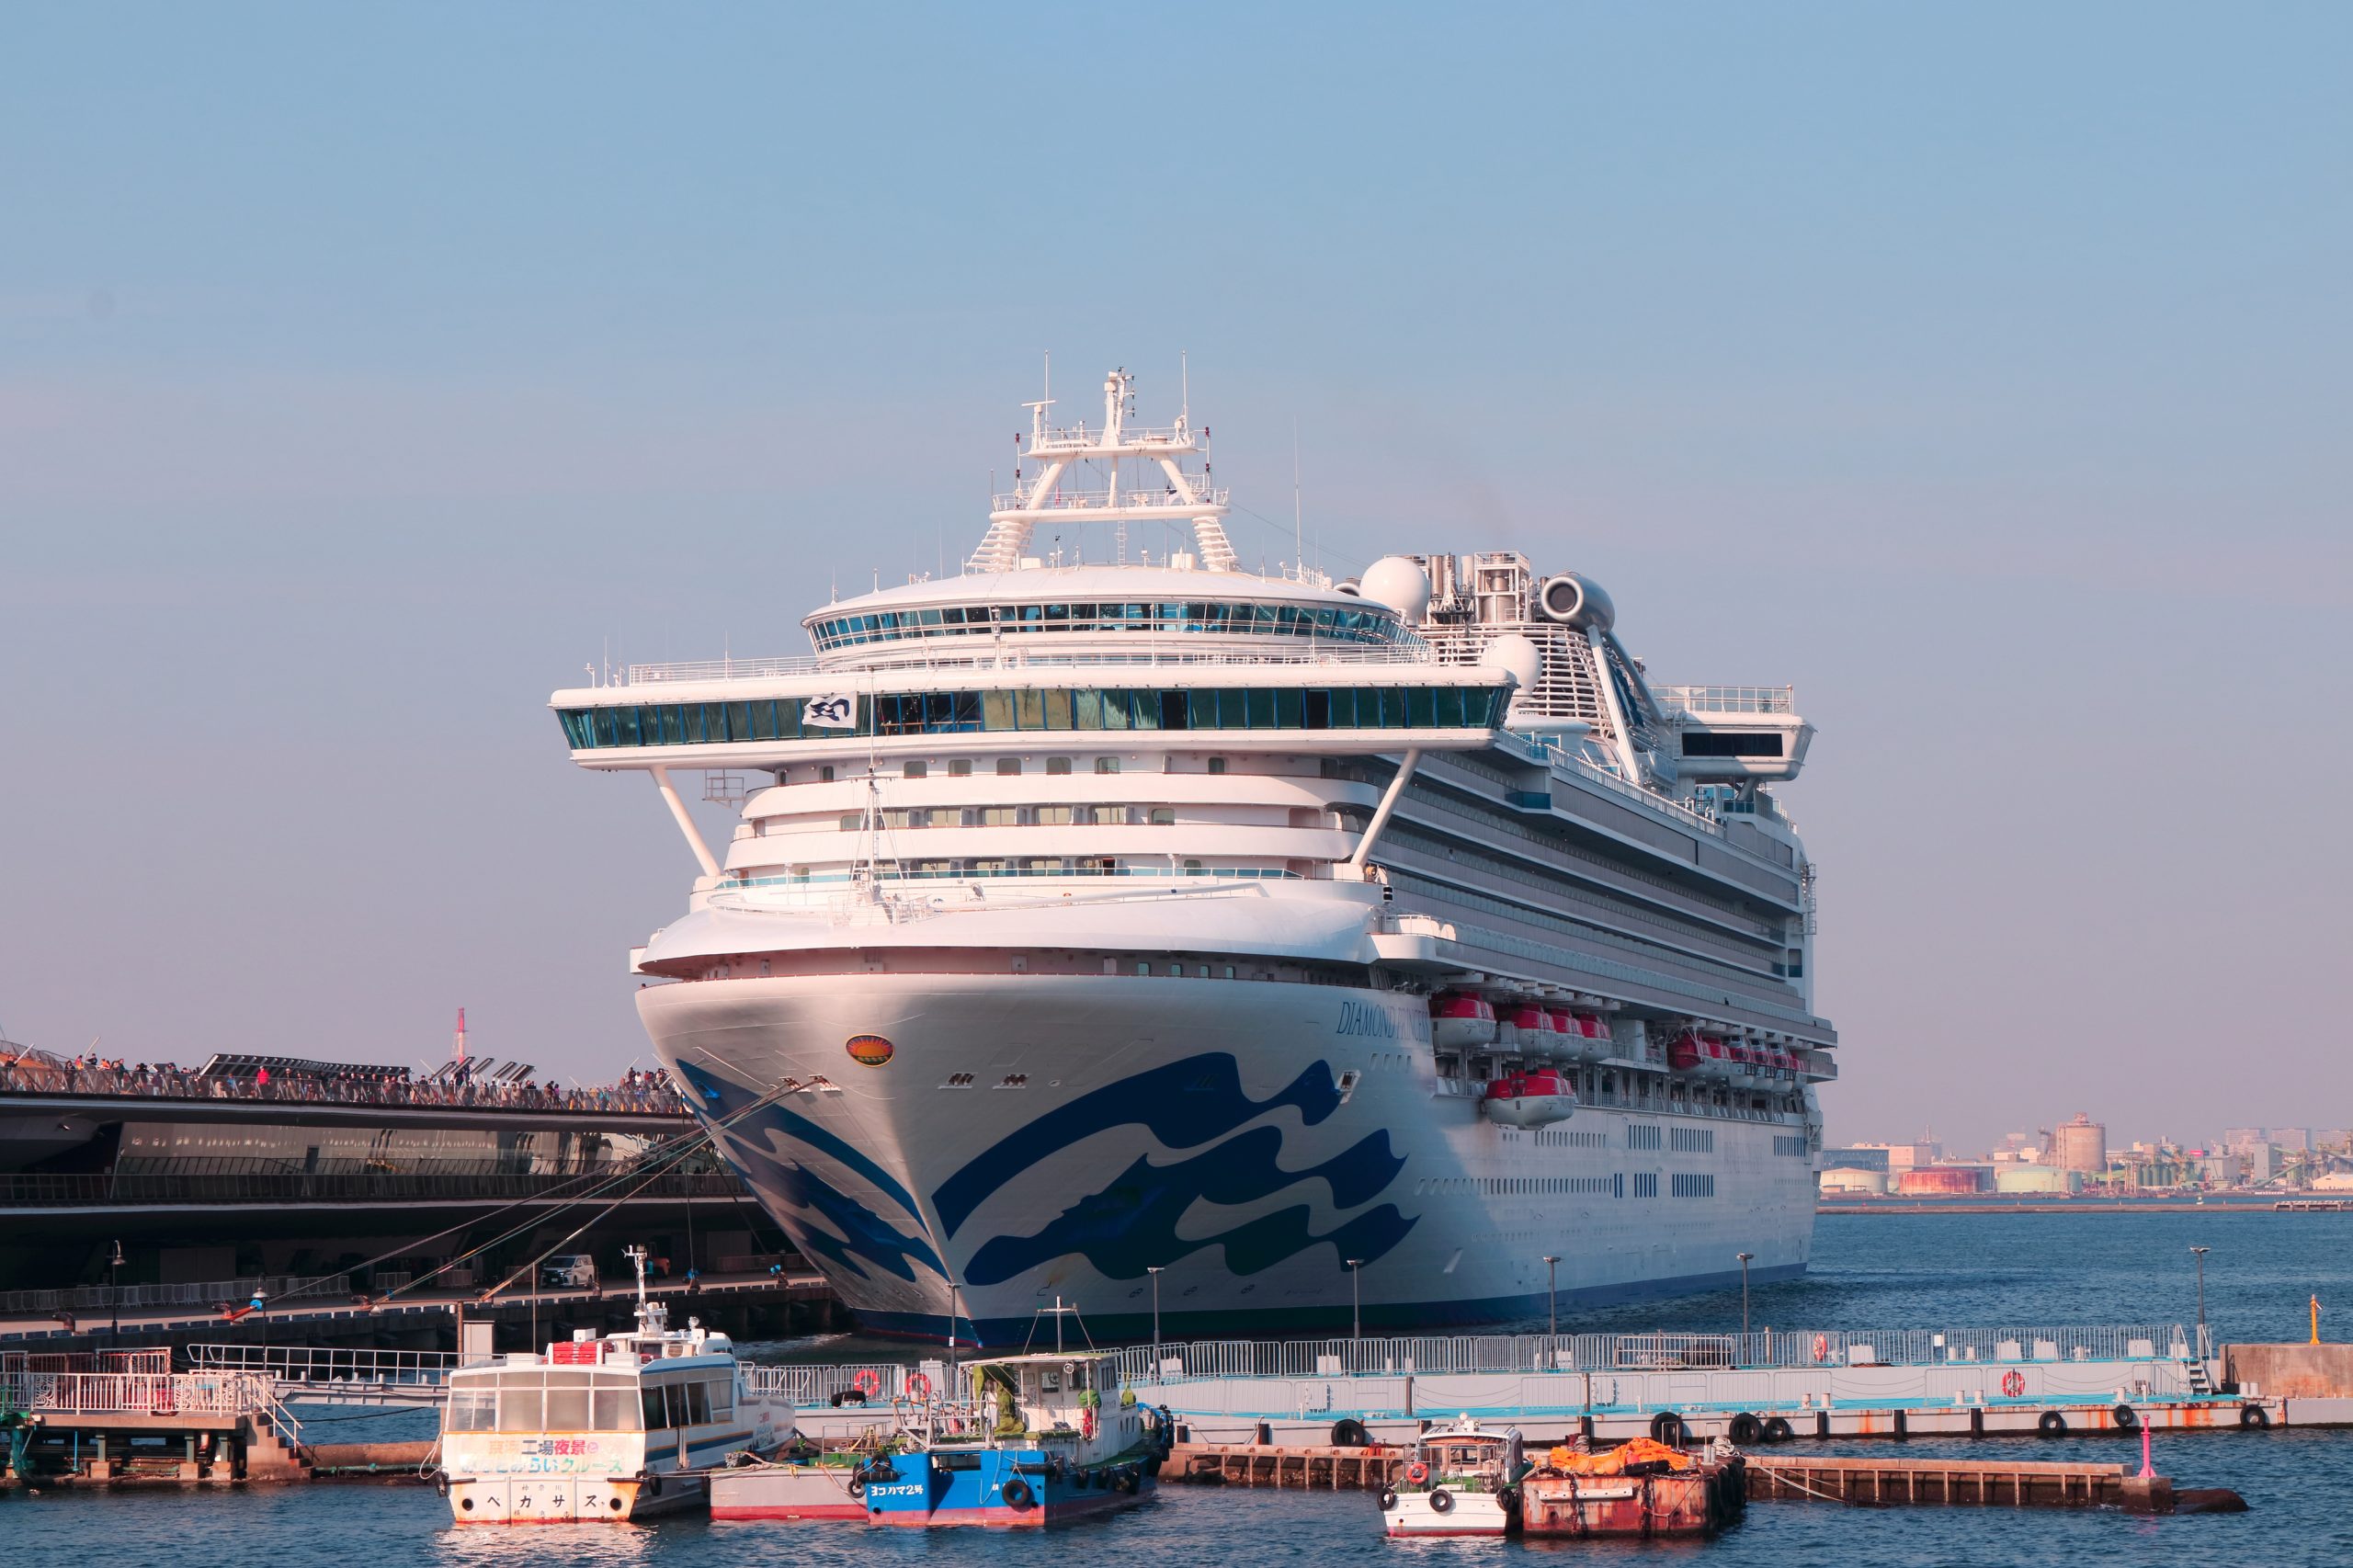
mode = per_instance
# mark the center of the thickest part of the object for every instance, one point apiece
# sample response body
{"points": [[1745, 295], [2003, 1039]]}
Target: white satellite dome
{"points": [[1399, 581], [1516, 654]]}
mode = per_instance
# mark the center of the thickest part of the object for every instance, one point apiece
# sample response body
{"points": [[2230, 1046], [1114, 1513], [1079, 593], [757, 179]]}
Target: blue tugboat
{"points": [[1046, 1437]]}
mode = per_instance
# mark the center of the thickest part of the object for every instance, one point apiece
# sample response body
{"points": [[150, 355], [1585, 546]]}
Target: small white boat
{"points": [[1537, 1097], [1461, 1481], [601, 1429]]}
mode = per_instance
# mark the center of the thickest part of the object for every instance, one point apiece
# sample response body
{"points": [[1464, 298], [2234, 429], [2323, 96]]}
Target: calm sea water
{"points": [[1870, 1272]]}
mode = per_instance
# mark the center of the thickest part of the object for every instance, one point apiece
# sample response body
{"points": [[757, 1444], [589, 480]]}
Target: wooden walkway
{"points": [[1947, 1482]]}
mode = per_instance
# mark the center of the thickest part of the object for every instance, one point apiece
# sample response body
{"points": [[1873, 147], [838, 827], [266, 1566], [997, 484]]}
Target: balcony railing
{"points": [[1727, 698]]}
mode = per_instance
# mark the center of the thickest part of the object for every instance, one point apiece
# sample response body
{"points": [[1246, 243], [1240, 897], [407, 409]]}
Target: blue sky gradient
{"points": [[1982, 369]]}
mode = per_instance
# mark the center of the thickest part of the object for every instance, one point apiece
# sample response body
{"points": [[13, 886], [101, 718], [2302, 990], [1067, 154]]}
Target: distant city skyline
{"points": [[367, 374]]}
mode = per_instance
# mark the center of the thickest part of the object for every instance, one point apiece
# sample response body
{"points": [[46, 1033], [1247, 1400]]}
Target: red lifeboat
{"points": [[1590, 1038], [1560, 1029], [1523, 1023], [1684, 1052], [1535, 1098], [1460, 1021]]}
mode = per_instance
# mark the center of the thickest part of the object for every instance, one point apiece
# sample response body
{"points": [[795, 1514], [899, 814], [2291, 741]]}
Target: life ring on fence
{"points": [[918, 1386], [1821, 1347], [1416, 1473], [2013, 1384], [868, 1383]]}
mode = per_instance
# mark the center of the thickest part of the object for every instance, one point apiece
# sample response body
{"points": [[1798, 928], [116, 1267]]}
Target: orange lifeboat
{"points": [[1535, 1098], [1459, 1021], [1683, 1053]]}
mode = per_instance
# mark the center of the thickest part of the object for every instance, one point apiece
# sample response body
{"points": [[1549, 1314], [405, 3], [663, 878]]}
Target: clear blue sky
{"points": [[364, 372]]}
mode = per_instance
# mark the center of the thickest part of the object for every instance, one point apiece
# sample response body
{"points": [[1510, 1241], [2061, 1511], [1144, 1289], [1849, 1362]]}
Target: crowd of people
{"points": [[23, 1070]]}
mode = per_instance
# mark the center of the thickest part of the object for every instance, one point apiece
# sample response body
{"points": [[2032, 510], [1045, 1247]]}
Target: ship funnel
{"points": [[1576, 601]]}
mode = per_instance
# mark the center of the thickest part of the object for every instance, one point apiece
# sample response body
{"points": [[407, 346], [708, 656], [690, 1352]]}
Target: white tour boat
{"points": [[601, 1429]]}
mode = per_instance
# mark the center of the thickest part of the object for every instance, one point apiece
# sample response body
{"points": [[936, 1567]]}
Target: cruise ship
{"points": [[1229, 952]]}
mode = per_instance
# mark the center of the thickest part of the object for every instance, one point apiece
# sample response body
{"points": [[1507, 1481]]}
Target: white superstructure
{"points": [[1084, 926]]}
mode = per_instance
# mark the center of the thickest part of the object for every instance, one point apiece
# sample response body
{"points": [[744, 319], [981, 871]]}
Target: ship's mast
{"points": [[1041, 495]]}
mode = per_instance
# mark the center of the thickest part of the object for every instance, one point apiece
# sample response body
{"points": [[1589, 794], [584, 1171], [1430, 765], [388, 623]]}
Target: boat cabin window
{"points": [[1050, 1379], [688, 1403], [540, 1400]]}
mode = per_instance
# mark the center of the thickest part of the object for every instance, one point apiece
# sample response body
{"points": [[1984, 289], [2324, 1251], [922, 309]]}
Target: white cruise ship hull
{"points": [[1041, 1136]]}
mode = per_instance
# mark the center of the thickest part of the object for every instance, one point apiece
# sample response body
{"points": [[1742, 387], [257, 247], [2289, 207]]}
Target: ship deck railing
{"points": [[1727, 698], [1185, 649], [1763, 1350]]}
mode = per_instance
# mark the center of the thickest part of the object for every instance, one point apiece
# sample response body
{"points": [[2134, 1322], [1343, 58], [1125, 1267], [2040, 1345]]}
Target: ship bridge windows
{"points": [[1042, 710], [1365, 626], [1732, 742]]}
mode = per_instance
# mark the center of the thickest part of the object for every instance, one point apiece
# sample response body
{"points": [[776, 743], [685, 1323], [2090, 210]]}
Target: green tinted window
{"points": [[996, 710], [1030, 710]]}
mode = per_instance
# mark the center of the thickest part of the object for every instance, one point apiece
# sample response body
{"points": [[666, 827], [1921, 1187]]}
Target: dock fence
{"points": [[1763, 1350]]}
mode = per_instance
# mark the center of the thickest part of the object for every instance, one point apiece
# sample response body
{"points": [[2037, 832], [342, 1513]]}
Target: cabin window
{"points": [[961, 768], [651, 1407], [474, 1407], [519, 1408], [1057, 765], [616, 1406], [915, 771], [567, 1402], [1078, 1377], [1008, 767], [1050, 1379]]}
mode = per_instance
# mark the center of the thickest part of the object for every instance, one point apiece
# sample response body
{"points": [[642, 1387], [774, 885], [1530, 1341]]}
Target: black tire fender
{"points": [[2051, 1423], [2252, 1416], [1667, 1427], [1017, 1492], [1778, 1429], [1388, 1500], [1349, 1432], [2125, 1417], [1441, 1501], [1744, 1430]]}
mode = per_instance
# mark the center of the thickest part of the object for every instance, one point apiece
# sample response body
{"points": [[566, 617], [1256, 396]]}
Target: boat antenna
{"points": [[1298, 527]]}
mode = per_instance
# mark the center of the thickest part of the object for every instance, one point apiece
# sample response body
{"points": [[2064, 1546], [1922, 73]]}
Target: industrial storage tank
{"points": [[2047, 1179], [2080, 1145], [1847, 1181], [1945, 1181]]}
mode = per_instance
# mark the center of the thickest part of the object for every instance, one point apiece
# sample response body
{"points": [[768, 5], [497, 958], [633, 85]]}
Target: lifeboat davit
{"points": [[1535, 1099]]}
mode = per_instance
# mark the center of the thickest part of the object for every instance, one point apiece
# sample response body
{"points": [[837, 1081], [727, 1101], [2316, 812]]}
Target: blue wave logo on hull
{"points": [[788, 1191], [1130, 1226], [1184, 1104]]}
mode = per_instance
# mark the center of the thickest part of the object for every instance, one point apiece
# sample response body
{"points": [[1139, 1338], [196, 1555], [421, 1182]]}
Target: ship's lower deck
{"points": [[1260, 1156]]}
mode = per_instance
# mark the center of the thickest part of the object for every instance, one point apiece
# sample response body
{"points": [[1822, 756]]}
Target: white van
{"points": [[574, 1270]]}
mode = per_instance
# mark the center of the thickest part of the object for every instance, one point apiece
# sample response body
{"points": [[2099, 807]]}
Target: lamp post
{"points": [[1553, 1304], [1154, 1271], [1744, 1291], [114, 1296], [1356, 1300], [954, 1312], [2199, 1254]]}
